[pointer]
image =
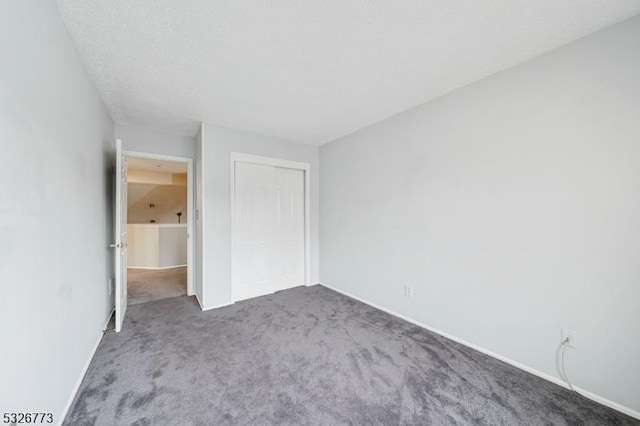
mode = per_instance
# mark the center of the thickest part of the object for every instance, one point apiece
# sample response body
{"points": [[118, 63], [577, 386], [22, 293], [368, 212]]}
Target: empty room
{"points": [[327, 212]]}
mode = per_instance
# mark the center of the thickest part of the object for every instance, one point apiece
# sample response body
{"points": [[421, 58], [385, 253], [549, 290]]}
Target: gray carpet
{"points": [[307, 356], [146, 285]]}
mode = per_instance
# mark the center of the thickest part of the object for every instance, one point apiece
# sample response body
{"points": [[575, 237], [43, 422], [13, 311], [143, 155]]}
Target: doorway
{"points": [[158, 214], [154, 219]]}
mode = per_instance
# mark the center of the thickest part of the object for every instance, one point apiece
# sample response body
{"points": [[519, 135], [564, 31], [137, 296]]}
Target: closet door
{"points": [[289, 235], [268, 248], [255, 208]]}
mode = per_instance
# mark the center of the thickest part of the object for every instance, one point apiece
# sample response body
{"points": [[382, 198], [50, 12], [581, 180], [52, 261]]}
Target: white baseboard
{"points": [[587, 394], [607, 402], [199, 301], [66, 408], [209, 308], [156, 268]]}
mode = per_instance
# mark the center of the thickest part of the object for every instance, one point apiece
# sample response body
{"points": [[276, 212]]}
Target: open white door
{"points": [[120, 244]]}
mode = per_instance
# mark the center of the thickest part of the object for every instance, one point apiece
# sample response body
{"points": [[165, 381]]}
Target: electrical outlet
{"points": [[110, 286], [569, 337], [408, 290]]}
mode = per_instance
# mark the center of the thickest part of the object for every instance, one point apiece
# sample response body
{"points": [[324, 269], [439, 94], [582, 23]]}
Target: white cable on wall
{"points": [[564, 373]]}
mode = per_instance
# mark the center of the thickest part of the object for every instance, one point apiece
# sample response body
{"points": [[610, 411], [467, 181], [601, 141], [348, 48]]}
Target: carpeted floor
{"points": [[307, 356], [146, 285]]}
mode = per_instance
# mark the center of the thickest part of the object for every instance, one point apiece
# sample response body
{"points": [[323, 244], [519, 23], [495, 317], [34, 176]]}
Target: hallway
{"points": [[146, 285]]}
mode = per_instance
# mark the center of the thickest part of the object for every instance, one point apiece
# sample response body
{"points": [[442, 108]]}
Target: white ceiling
{"points": [[308, 71]]}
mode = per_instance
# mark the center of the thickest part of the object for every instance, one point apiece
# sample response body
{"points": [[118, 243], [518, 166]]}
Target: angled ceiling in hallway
{"points": [[308, 71]]}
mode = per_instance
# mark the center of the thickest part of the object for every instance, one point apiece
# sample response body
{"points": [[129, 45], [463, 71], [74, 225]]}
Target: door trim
{"points": [[239, 157], [191, 266]]}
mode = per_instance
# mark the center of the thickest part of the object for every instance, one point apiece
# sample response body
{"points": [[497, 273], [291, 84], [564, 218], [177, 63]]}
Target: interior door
{"points": [[120, 237], [268, 250]]}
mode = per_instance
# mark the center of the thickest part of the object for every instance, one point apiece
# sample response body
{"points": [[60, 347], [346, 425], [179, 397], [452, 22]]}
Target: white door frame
{"points": [[239, 157], [191, 267]]}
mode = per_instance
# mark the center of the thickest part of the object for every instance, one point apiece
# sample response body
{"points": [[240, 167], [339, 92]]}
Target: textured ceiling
{"points": [[308, 71]]}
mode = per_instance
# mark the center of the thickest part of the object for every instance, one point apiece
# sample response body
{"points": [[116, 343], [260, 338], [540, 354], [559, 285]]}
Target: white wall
{"points": [[513, 208], [173, 245], [55, 196], [217, 145], [143, 246], [156, 246], [145, 139]]}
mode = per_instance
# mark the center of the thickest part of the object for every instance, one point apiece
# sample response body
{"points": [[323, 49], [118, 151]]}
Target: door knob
{"points": [[114, 245]]}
